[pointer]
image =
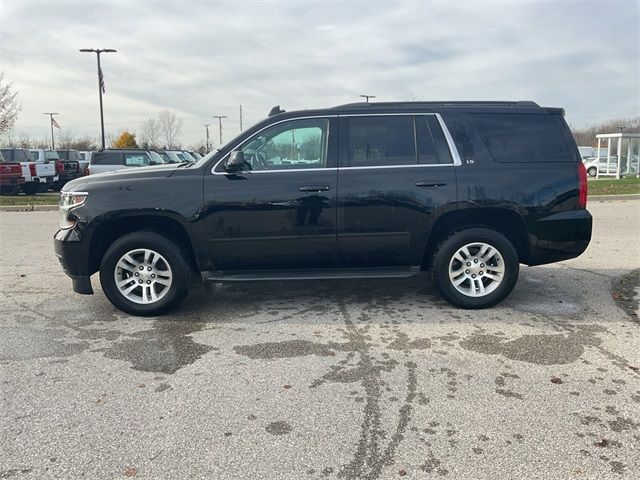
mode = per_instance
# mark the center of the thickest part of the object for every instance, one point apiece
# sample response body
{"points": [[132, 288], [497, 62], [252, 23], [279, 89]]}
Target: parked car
{"points": [[48, 169], [111, 159], [84, 160], [11, 178], [355, 191], [71, 162], [173, 156]]}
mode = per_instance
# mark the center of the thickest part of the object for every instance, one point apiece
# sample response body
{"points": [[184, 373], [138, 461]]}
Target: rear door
{"points": [[396, 175]]}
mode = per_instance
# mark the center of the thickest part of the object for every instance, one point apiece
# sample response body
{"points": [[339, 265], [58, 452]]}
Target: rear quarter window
{"points": [[106, 158], [533, 138]]}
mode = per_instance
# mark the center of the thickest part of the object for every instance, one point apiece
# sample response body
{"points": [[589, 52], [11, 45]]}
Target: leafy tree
{"points": [[125, 140]]}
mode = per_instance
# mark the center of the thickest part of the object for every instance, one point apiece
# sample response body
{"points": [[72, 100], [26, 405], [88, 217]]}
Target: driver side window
{"points": [[290, 145]]}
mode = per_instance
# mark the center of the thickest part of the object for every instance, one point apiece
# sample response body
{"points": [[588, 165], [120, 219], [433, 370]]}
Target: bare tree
{"points": [[150, 133], [169, 126], [9, 106], [586, 136], [65, 139]]}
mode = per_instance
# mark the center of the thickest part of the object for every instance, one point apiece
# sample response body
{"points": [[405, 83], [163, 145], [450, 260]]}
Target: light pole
{"points": [[101, 89], [51, 114], [220, 117], [206, 126], [367, 97]]}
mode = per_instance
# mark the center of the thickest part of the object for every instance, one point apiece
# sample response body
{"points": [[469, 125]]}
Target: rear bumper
{"points": [[73, 255], [560, 236], [11, 181]]}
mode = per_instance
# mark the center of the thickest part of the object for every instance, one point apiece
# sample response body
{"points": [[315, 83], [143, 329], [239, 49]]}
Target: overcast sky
{"points": [[202, 58]]}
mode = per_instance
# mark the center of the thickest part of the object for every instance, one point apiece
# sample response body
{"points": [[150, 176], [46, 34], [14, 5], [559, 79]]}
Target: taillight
{"points": [[582, 185], [59, 167], [32, 170]]}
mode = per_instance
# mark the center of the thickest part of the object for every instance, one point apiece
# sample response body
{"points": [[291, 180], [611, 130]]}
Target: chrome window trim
{"points": [[447, 135]]}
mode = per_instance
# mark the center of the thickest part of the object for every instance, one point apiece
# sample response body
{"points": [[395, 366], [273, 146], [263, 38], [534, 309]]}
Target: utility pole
{"points": [[51, 114], [367, 97], [206, 126], [220, 117], [101, 88], [240, 117]]}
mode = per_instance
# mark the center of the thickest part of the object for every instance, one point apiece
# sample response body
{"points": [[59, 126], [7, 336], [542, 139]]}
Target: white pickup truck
{"points": [[47, 170], [36, 174]]}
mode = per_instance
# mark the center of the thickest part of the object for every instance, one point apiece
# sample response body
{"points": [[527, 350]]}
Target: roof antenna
{"points": [[275, 111]]}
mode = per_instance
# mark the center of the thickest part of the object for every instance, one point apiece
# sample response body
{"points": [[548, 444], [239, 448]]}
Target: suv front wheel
{"points": [[144, 273], [475, 268]]}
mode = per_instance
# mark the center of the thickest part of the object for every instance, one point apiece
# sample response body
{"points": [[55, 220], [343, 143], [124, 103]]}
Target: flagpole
{"points": [[100, 83], [51, 114], [100, 94]]}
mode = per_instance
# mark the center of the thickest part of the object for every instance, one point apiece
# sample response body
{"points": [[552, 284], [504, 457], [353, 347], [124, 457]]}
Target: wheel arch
{"points": [[503, 220], [109, 229]]}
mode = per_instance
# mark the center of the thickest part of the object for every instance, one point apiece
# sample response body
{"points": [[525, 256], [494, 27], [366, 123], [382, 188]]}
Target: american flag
{"points": [[54, 123], [101, 79]]}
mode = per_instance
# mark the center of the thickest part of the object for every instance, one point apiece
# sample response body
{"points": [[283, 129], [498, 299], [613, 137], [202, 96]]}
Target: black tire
{"points": [[175, 256], [30, 188], [445, 252], [592, 172]]}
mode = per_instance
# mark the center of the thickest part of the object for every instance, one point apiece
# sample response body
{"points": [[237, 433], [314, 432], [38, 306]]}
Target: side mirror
{"points": [[235, 163]]}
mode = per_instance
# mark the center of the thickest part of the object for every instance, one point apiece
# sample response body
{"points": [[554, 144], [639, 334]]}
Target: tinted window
{"points": [[289, 145], [63, 154], [522, 137], [49, 155], [379, 141], [432, 144], [106, 158]]}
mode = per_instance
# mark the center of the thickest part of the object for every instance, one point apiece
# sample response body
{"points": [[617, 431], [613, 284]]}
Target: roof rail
{"points": [[518, 103]]}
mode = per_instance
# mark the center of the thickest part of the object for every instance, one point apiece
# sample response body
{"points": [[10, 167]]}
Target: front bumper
{"points": [[73, 255]]}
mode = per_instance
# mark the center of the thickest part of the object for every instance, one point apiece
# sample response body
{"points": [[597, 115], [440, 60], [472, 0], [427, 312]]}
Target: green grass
{"points": [[614, 187], [20, 200]]}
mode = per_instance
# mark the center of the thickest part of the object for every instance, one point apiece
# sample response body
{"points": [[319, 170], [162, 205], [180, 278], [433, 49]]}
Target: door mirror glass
{"points": [[235, 162]]}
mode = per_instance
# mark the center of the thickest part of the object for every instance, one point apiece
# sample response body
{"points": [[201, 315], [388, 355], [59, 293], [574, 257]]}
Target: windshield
{"points": [[187, 156]]}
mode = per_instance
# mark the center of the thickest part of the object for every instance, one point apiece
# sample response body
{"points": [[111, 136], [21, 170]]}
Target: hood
{"points": [[125, 174]]}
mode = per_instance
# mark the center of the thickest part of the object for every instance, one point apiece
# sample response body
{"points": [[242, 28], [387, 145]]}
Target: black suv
{"points": [[466, 190]]}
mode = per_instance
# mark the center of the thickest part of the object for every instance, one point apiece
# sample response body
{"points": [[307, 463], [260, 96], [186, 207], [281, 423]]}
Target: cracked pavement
{"points": [[317, 380]]}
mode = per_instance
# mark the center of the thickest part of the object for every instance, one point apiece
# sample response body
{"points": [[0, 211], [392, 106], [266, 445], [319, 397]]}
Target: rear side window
{"points": [[106, 158], [136, 159], [522, 137], [381, 140]]}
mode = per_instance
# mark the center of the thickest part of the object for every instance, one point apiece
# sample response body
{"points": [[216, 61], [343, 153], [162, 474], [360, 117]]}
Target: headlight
{"points": [[69, 201]]}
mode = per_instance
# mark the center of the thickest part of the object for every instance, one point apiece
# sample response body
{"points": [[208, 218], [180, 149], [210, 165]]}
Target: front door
{"points": [[279, 212]]}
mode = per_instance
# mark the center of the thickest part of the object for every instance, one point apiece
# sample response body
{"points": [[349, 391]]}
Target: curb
{"points": [[606, 198], [28, 208]]}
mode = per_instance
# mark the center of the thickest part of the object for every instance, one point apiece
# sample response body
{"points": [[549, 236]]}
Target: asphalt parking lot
{"points": [[347, 380]]}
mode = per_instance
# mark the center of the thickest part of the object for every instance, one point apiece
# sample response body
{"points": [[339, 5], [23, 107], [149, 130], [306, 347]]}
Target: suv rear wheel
{"points": [[144, 273], [475, 268]]}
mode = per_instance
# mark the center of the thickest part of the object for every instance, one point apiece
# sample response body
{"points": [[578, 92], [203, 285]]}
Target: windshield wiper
{"points": [[186, 163]]}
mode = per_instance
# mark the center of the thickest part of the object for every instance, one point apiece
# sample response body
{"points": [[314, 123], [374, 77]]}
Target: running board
{"points": [[311, 274]]}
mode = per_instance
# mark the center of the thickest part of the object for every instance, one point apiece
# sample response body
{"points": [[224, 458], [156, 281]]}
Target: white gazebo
{"points": [[621, 162]]}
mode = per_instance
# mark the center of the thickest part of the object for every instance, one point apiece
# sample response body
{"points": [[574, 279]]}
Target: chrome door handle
{"points": [[428, 184], [314, 188]]}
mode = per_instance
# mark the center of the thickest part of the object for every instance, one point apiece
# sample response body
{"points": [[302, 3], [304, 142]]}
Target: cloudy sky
{"points": [[200, 58]]}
